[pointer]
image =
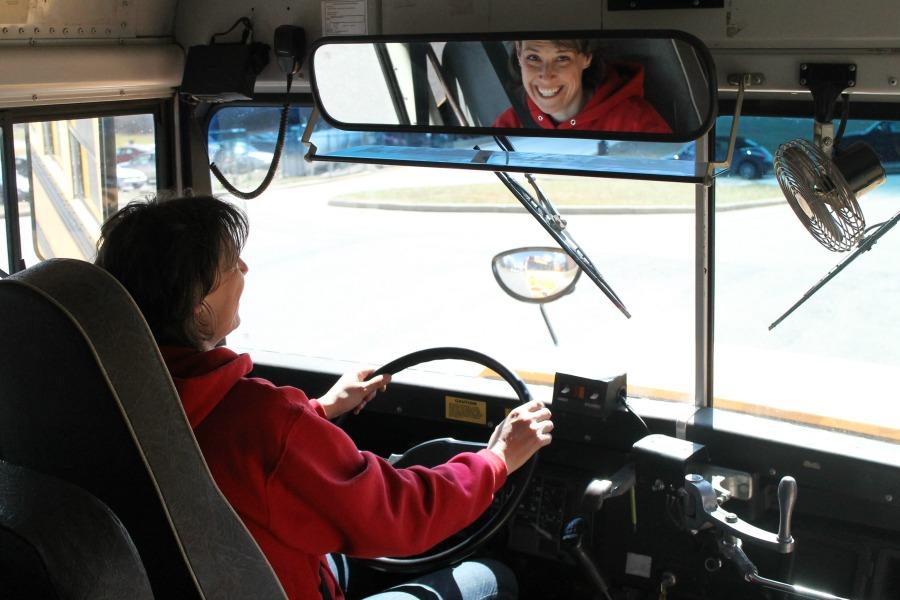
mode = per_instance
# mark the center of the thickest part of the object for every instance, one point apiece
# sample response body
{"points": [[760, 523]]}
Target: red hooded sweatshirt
{"points": [[302, 487], [618, 104]]}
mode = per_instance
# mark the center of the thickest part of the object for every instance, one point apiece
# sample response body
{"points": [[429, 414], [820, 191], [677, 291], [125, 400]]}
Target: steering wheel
{"points": [[437, 451]]}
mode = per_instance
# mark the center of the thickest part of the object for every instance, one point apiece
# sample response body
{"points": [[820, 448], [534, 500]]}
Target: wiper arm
{"points": [[556, 219], [866, 244], [555, 226]]}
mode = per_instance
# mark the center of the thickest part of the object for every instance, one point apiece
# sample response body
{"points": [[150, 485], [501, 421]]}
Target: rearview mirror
{"points": [[645, 86], [537, 275]]}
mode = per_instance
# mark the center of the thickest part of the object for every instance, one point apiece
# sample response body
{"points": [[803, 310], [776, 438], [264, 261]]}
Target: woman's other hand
{"points": [[524, 431], [352, 391]]}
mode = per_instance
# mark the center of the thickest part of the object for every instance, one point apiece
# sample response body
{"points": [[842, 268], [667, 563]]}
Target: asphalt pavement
{"points": [[368, 285]]}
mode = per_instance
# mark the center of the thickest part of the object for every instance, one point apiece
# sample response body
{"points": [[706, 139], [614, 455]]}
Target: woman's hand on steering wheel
{"points": [[516, 441], [524, 431], [352, 391]]}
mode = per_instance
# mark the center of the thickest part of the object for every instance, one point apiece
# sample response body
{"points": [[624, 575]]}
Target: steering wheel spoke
{"points": [[434, 452]]}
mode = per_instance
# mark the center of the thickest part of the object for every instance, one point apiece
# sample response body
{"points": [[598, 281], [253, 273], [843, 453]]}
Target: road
{"points": [[369, 285]]}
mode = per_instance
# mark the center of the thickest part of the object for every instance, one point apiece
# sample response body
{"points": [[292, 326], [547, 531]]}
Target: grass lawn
{"points": [[130, 139], [576, 192]]}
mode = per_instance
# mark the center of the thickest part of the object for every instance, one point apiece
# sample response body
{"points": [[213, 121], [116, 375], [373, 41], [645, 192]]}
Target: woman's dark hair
{"points": [[591, 77], [167, 253]]}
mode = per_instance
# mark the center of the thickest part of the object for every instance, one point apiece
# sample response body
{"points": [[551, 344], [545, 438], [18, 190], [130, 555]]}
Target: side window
{"points": [[241, 142], [81, 171]]}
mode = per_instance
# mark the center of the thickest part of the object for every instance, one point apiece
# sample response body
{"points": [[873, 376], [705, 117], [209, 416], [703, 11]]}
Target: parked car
{"points": [[23, 184], [132, 151], [129, 179], [146, 164], [883, 136], [750, 160], [237, 156]]}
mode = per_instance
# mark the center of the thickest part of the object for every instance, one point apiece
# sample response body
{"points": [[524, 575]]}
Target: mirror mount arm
{"points": [[743, 81], [549, 326], [307, 135]]}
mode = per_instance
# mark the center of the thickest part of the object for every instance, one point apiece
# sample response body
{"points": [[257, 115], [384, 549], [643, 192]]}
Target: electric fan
{"points": [[818, 192], [823, 193], [821, 180]]}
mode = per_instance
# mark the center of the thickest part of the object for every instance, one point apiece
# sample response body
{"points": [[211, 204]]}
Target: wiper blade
{"points": [[547, 216], [866, 244]]}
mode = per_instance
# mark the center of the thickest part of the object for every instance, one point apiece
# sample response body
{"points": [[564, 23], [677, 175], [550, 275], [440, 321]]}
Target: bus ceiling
{"points": [[743, 35]]}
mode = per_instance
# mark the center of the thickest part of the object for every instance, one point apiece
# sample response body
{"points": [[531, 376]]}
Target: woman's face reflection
{"points": [[551, 76]]}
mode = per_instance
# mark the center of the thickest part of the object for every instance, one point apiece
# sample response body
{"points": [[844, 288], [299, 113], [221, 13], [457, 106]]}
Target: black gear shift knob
{"points": [[787, 497]]}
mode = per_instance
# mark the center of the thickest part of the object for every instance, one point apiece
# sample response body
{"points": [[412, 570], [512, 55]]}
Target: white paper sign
{"points": [[344, 17]]}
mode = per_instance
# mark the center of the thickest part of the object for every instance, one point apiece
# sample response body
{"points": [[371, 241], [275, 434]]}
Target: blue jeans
{"points": [[472, 580]]}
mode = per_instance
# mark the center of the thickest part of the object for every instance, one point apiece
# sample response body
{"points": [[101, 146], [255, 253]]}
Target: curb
{"points": [[568, 210]]}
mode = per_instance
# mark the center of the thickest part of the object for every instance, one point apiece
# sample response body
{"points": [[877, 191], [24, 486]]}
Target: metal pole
{"points": [[11, 200]]}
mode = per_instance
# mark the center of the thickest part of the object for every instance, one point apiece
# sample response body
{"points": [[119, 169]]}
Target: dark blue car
{"points": [[883, 137], [750, 160]]}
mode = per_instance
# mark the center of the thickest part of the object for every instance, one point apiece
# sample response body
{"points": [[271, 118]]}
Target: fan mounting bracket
{"points": [[827, 81]]}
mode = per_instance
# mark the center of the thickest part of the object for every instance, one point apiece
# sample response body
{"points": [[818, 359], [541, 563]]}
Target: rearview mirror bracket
{"points": [[743, 81], [306, 140]]}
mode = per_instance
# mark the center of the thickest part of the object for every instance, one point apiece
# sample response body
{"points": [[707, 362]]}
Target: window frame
{"points": [[161, 109], [859, 110]]}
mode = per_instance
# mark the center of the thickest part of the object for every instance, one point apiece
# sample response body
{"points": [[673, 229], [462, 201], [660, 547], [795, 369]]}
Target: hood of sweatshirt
{"points": [[623, 82], [203, 379]]}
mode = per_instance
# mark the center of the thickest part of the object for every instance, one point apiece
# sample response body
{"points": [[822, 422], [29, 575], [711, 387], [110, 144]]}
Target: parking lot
{"points": [[367, 285]]}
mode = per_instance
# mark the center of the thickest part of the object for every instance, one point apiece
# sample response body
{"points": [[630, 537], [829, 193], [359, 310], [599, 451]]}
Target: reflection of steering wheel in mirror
{"points": [[437, 451]]}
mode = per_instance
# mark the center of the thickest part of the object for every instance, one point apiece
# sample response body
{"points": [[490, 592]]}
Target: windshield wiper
{"points": [[865, 244], [547, 215], [556, 220]]}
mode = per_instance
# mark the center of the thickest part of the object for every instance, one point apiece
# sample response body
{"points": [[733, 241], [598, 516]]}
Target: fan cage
{"points": [[808, 178]]}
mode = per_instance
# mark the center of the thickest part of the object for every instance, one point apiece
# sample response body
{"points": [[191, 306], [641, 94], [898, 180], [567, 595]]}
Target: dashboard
{"points": [[609, 507]]}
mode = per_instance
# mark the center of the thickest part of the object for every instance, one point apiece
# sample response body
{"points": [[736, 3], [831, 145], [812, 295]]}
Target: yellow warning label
{"points": [[462, 409]]}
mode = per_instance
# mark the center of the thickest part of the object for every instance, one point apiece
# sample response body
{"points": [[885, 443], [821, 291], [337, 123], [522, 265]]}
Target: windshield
{"points": [[364, 263]]}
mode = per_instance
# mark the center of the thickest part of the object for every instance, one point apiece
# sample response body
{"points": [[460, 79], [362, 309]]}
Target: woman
{"points": [[299, 483], [568, 87]]}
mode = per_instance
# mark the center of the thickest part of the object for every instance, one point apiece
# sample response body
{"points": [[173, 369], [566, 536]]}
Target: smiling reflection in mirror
{"points": [[567, 84], [640, 86]]}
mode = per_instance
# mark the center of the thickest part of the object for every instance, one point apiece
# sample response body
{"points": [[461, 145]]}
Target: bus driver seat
{"points": [[85, 397]]}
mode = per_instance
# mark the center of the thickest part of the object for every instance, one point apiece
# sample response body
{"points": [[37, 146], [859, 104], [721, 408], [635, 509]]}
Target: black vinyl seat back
{"points": [[468, 69], [58, 541], [85, 396]]}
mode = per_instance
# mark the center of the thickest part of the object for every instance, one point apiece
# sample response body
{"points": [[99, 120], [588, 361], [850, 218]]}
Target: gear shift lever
{"points": [[702, 511], [787, 498]]}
